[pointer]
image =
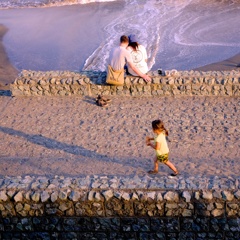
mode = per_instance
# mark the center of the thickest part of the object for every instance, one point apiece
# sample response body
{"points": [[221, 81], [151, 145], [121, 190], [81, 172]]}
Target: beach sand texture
{"points": [[74, 137]]}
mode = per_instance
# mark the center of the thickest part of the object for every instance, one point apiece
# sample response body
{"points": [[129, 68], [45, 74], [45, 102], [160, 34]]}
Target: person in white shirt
{"points": [[120, 56], [139, 56]]}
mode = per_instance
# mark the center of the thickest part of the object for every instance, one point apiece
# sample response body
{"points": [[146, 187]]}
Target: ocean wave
{"points": [[9, 4]]}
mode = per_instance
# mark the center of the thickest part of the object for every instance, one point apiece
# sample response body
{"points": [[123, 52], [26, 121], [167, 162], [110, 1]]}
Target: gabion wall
{"points": [[94, 207], [186, 83]]}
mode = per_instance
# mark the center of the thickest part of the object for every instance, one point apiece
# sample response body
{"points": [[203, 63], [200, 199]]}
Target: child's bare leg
{"points": [[155, 164], [155, 170], [171, 166]]}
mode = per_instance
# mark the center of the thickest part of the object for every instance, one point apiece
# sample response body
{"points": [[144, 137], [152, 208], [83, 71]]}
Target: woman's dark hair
{"points": [[134, 45], [158, 125]]}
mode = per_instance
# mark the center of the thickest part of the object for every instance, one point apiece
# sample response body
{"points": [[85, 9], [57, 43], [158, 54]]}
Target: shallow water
{"points": [[181, 34]]}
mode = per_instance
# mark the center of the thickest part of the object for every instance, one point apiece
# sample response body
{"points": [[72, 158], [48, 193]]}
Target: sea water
{"points": [[178, 34]]}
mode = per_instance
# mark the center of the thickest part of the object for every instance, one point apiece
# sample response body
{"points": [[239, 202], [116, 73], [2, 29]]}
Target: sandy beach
{"points": [[73, 137]]}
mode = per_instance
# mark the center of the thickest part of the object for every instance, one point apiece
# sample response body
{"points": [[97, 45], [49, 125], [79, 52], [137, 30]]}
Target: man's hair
{"points": [[124, 39]]}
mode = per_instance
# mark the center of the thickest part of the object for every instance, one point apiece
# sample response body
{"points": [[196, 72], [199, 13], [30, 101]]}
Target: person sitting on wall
{"points": [[118, 58], [139, 55]]}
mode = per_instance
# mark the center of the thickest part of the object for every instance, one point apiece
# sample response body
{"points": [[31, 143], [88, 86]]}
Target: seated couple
{"points": [[129, 53]]}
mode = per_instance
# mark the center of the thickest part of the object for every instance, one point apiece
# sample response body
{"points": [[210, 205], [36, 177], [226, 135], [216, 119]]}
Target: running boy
{"points": [[161, 147]]}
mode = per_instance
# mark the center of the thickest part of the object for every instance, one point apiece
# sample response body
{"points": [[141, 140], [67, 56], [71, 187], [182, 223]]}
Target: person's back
{"points": [[121, 56], [139, 56]]}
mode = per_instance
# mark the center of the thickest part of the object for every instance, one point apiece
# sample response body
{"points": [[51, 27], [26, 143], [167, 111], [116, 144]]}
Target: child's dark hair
{"points": [[158, 125]]}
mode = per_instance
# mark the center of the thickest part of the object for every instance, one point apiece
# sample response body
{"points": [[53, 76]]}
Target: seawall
{"points": [[185, 83], [110, 207]]}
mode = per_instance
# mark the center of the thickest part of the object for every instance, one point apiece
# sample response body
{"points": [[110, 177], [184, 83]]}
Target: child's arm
{"points": [[155, 146], [148, 139]]}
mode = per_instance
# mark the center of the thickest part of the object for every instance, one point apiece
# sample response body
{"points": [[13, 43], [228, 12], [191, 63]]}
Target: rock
{"points": [[62, 195], [18, 197], [151, 195], [54, 196], [227, 195], [171, 196], [217, 212], [74, 196], [107, 194], [19, 207], [126, 196], [44, 196], [187, 213], [159, 197], [187, 196], [64, 206], [236, 194], [36, 197], [3, 196], [207, 195]]}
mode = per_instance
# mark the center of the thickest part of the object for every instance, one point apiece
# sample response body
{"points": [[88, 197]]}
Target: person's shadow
{"points": [[68, 148]]}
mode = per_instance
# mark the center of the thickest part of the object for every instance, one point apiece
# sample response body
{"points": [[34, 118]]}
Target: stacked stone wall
{"points": [[94, 207], [183, 83]]}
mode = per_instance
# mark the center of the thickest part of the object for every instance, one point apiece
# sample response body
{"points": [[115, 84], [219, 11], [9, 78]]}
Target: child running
{"points": [[161, 147]]}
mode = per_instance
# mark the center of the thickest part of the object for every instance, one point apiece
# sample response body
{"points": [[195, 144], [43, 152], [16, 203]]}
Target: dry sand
{"points": [[72, 136], [232, 63]]}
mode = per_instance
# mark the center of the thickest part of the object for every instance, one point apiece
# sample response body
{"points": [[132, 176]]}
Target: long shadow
{"points": [[68, 148], [51, 143]]}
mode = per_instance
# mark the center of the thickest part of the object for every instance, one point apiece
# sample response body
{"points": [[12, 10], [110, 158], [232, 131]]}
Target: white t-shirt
{"points": [[161, 138], [119, 57], [139, 58]]}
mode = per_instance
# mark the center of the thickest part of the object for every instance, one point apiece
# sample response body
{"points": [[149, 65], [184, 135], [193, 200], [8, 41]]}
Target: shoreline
{"points": [[7, 71]]}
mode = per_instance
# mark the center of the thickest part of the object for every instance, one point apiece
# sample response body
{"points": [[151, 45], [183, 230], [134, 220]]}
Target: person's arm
{"points": [[139, 73], [155, 146], [148, 139]]}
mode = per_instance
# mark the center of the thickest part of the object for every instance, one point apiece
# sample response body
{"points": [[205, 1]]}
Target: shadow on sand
{"points": [[68, 148]]}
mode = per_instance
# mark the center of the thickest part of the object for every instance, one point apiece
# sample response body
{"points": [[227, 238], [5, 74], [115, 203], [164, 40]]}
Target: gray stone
{"points": [[54, 196], [74, 196], [63, 195], [187, 196], [44, 196], [171, 196]]}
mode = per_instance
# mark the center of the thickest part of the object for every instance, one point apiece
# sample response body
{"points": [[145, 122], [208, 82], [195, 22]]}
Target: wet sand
{"points": [[7, 72]]}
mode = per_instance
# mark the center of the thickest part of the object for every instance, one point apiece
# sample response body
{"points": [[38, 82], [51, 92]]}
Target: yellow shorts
{"points": [[163, 158]]}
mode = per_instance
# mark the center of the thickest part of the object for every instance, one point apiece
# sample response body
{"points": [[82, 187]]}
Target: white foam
{"points": [[7, 4], [179, 34]]}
